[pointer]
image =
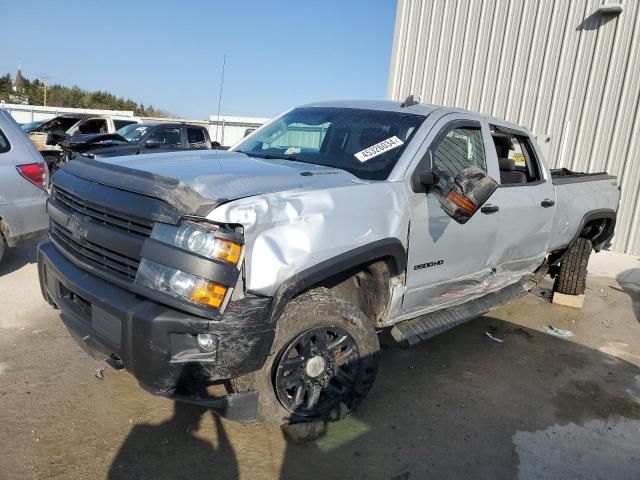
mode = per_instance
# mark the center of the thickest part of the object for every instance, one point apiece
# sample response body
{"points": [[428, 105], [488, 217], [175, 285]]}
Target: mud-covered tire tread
{"points": [[573, 269], [314, 308]]}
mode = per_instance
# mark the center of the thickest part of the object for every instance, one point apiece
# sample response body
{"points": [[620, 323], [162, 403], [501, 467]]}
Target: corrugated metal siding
{"points": [[558, 67]]}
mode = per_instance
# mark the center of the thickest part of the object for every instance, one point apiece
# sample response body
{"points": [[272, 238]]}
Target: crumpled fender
{"points": [[289, 232]]}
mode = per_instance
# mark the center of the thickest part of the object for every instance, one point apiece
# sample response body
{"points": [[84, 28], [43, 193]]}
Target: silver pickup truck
{"points": [[271, 268]]}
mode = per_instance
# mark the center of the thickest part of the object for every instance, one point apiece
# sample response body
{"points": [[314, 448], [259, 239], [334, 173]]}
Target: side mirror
{"points": [[461, 197], [153, 143]]}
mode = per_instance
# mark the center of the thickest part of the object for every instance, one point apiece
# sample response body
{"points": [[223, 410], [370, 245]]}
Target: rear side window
{"points": [[96, 125], [460, 148], [196, 138], [516, 158], [4, 143], [166, 137], [118, 124]]}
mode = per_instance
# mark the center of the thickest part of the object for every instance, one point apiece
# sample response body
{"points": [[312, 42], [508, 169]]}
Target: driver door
{"points": [[449, 261]]}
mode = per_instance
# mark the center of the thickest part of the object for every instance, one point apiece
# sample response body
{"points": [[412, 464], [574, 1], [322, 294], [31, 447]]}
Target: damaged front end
{"points": [[158, 289]]}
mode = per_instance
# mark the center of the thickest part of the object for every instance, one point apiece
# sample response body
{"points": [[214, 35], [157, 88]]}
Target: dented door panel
{"points": [[448, 261]]}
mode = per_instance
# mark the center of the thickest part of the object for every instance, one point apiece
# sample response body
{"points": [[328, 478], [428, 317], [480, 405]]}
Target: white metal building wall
{"points": [[30, 113], [229, 130], [563, 68]]}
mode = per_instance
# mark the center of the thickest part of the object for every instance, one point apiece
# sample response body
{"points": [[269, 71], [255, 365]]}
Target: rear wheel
{"points": [[324, 361], [572, 277]]}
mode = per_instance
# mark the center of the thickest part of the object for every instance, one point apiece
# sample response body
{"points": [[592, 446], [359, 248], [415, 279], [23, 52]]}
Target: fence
{"points": [[228, 130]]}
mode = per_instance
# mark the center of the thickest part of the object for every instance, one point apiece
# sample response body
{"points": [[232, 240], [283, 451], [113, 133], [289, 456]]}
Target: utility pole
{"points": [[44, 80], [224, 62]]}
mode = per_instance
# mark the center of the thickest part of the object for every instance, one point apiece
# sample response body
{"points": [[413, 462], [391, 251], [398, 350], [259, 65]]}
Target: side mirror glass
{"points": [[461, 197]]}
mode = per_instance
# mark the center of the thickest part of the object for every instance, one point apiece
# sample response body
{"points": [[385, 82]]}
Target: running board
{"points": [[423, 328]]}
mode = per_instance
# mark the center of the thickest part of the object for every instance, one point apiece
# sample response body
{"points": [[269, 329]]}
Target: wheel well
{"points": [[597, 230], [366, 286]]}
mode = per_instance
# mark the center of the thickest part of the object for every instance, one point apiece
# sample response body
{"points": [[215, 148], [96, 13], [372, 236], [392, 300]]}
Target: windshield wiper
{"points": [[268, 156]]}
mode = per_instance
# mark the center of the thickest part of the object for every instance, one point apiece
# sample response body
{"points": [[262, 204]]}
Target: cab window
{"points": [[516, 158], [94, 125], [166, 137]]}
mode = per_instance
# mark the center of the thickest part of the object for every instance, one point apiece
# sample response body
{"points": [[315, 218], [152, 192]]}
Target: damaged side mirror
{"points": [[461, 197]]}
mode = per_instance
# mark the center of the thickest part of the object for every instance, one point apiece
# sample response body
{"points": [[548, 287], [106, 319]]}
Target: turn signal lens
{"points": [[463, 202], [226, 251], [208, 293]]}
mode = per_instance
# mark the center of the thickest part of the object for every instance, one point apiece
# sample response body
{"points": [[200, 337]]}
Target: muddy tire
{"points": [[322, 364], [573, 270]]}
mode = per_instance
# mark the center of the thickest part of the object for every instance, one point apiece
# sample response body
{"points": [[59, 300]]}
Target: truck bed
{"points": [[579, 194], [560, 176]]}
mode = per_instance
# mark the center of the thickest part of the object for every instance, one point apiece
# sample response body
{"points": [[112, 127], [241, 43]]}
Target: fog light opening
{"points": [[206, 342]]}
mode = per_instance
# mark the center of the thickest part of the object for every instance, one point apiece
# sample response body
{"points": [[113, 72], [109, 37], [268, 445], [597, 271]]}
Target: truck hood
{"points": [[221, 176]]}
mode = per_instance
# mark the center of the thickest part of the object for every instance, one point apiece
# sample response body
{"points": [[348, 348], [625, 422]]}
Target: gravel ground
{"points": [[460, 406]]}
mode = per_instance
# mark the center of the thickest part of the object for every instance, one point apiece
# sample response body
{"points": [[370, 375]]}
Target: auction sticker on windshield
{"points": [[378, 149]]}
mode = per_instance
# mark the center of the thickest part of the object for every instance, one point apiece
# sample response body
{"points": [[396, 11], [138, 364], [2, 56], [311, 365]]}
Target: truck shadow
{"points": [[459, 406], [172, 449], [17, 257]]}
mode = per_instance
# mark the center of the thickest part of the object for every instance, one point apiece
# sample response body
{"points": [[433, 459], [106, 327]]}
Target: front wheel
{"points": [[324, 361]]}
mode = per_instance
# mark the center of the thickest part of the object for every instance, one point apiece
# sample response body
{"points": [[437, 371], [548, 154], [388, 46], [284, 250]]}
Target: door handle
{"points": [[547, 202], [490, 209]]}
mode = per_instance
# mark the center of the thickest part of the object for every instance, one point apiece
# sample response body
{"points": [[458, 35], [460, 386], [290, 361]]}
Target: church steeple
{"points": [[19, 81]]}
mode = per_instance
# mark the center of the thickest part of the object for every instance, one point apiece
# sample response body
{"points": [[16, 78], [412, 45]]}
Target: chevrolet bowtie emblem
{"points": [[77, 225]]}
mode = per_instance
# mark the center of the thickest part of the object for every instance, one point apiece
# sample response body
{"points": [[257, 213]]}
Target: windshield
{"points": [[366, 143], [28, 127], [132, 132]]}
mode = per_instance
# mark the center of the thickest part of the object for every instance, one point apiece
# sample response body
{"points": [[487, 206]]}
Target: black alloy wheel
{"points": [[317, 371]]}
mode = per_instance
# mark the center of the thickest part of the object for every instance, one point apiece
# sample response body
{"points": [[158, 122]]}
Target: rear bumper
{"points": [[157, 344], [25, 219]]}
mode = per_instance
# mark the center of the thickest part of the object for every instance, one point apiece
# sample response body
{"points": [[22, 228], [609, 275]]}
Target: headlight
{"points": [[180, 284], [198, 239]]}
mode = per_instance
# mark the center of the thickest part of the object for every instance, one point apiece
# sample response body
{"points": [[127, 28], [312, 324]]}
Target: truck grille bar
{"points": [[104, 256]]}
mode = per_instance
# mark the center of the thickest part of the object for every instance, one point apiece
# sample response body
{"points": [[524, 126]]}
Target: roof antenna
{"points": [[409, 101], [224, 62]]}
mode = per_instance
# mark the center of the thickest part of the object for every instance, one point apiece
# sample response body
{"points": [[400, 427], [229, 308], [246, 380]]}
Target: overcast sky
{"points": [[169, 54]]}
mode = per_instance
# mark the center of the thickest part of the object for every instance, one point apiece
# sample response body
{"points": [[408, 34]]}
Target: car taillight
{"points": [[36, 173]]}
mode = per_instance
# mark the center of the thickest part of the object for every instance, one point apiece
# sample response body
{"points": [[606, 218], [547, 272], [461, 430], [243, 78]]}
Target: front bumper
{"points": [[157, 344]]}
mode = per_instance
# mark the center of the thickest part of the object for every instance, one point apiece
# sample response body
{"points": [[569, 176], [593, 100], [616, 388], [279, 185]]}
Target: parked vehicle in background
{"points": [[29, 127], [48, 136], [270, 268], [23, 179], [136, 139]]}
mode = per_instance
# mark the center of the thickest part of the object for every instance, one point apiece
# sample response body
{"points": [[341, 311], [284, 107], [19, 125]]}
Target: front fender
{"points": [[294, 238]]}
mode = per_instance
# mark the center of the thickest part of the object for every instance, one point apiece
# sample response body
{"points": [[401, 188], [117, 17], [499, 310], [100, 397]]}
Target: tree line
{"points": [[74, 97]]}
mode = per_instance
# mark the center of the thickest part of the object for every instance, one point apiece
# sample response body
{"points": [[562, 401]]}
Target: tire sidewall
{"points": [[318, 308]]}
